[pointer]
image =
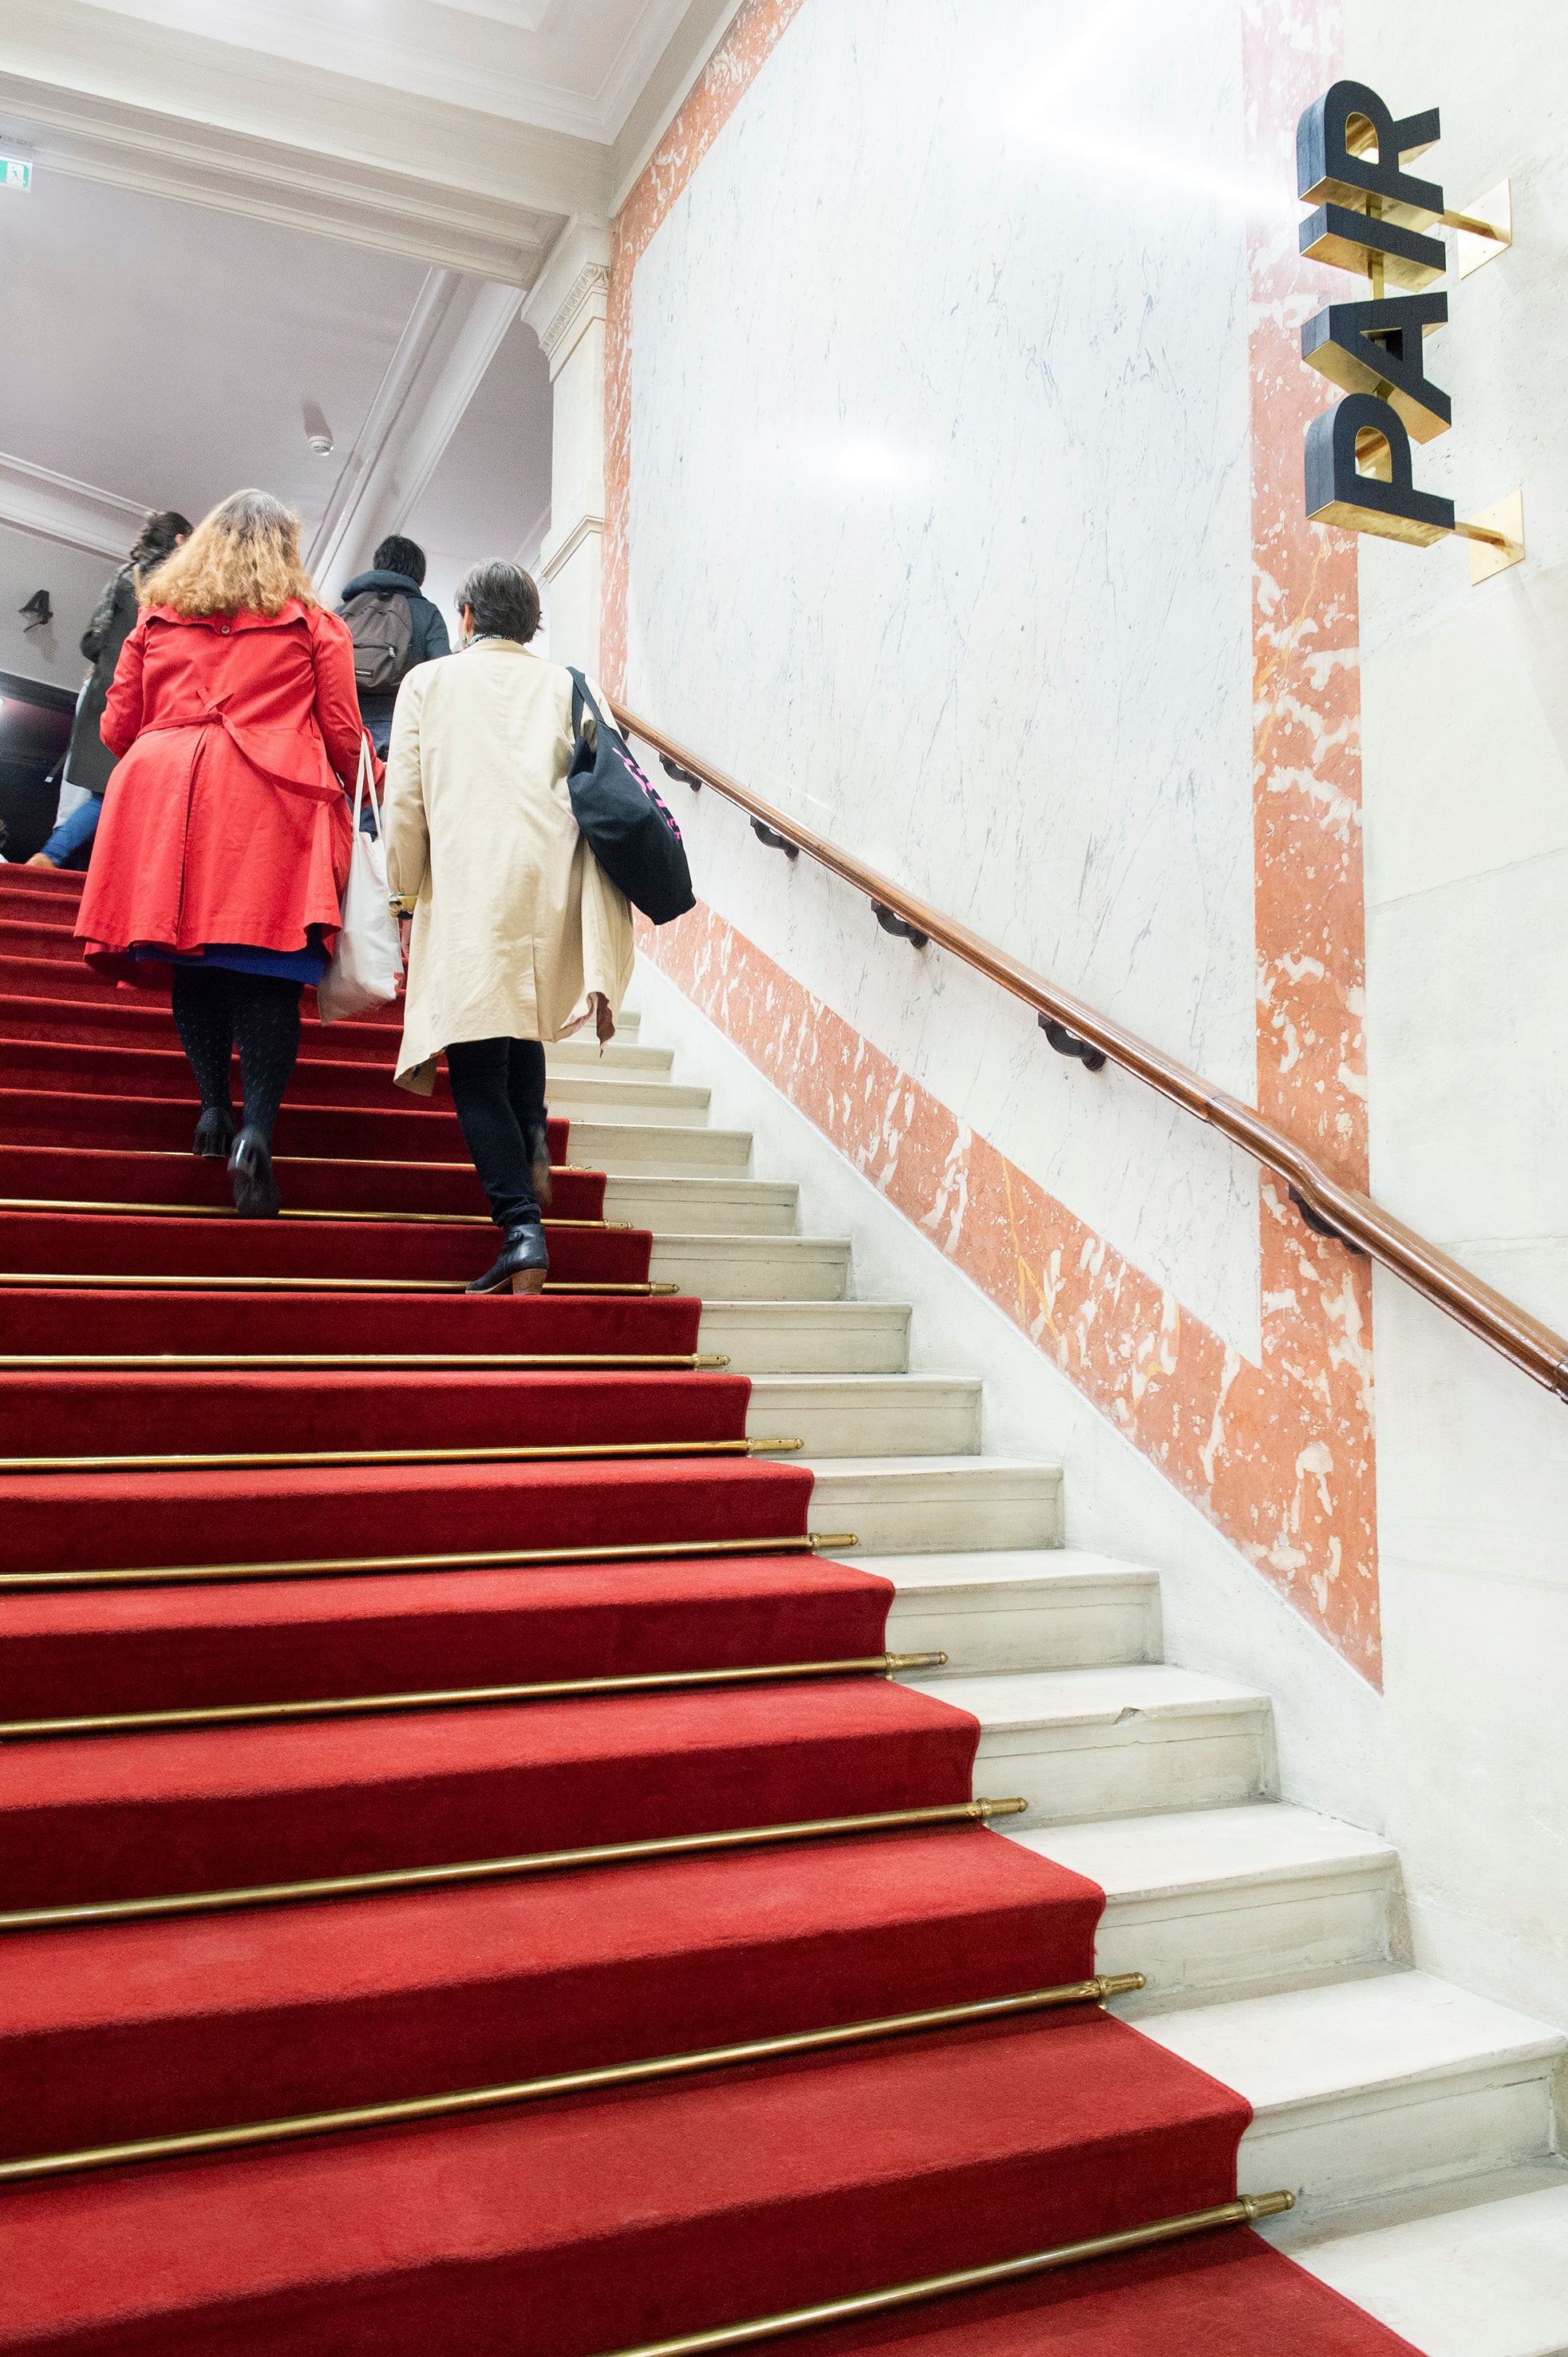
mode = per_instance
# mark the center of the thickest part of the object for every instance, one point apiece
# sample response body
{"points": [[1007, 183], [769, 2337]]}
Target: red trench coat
{"points": [[226, 819]]}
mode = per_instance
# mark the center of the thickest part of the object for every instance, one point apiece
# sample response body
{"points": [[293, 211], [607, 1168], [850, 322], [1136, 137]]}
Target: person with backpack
{"points": [[393, 627]]}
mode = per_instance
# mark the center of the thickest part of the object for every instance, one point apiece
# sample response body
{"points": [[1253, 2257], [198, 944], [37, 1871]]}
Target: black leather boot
{"points": [[523, 1265], [256, 1193], [214, 1133]]}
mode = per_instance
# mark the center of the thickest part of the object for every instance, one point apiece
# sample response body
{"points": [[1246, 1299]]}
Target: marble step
{"points": [[705, 1207], [1363, 2089], [1476, 2270], [583, 1053], [870, 1416], [585, 1096], [1126, 1740], [918, 1505], [792, 1338], [1045, 1608], [754, 1268], [623, 1148], [1230, 1899]]}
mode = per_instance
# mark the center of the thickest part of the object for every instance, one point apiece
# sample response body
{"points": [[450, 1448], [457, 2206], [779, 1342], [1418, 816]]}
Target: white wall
{"points": [[950, 559], [75, 581], [940, 533], [1466, 716]]}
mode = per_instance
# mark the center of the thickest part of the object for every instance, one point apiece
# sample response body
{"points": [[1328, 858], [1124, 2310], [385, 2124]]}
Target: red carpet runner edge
{"points": [[581, 2224]]}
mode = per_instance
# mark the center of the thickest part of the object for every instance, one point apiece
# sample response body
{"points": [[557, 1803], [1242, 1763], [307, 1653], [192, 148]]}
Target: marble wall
{"points": [[938, 501], [1466, 763], [953, 441]]}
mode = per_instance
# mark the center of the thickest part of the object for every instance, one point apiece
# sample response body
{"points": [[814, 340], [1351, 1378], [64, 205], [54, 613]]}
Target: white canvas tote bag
{"points": [[366, 961]]}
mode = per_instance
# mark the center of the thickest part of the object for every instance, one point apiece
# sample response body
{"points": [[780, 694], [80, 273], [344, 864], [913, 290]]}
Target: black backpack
{"points": [[381, 627], [626, 827]]}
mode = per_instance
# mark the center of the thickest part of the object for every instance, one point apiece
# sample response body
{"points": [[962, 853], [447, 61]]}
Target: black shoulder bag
{"points": [[623, 821]]}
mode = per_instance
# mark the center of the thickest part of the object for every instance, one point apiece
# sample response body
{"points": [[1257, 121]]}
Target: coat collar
{"points": [[291, 612]]}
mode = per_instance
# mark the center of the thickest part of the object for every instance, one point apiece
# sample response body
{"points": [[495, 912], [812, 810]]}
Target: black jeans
{"points": [[498, 1087]]}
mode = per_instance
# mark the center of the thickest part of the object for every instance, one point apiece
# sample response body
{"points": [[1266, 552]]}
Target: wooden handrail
{"points": [[1323, 1199]]}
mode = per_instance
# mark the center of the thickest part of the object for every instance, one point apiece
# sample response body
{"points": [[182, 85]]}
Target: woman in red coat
{"points": [[226, 829]]}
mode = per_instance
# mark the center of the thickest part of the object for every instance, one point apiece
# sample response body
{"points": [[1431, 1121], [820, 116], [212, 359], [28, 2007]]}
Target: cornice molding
{"points": [[587, 299], [58, 508], [556, 554]]}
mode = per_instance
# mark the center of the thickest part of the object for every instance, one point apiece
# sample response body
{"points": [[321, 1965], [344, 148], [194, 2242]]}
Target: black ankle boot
{"points": [[523, 1265], [214, 1133], [251, 1168], [537, 1143]]}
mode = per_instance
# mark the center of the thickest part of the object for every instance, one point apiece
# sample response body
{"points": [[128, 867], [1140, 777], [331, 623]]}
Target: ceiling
{"points": [[575, 66], [164, 353]]}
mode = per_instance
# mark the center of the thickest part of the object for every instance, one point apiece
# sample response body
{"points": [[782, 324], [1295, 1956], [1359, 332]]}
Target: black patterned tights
{"points": [[214, 1011]]}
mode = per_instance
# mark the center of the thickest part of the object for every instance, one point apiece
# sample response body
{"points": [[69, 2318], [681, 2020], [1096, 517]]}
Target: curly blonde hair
{"points": [[242, 558]]}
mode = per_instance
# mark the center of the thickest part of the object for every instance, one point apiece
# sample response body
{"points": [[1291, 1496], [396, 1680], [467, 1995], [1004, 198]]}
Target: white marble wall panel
{"points": [[941, 537], [1466, 791]]}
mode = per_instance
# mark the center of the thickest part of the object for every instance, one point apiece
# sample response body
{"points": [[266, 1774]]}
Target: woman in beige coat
{"points": [[518, 935]]}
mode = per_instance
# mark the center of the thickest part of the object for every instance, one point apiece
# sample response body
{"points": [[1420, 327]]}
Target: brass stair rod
{"points": [[105, 1207], [173, 1362], [496, 1869], [1239, 2213], [156, 1722], [488, 1559], [1097, 1991], [157, 1281], [227, 1461]]}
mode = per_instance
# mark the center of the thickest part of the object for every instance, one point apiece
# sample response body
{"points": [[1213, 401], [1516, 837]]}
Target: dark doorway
{"points": [[35, 729]]}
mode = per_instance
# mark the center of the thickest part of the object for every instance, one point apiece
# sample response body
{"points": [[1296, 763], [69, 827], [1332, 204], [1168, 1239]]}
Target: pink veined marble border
{"points": [[1280, 1456]]}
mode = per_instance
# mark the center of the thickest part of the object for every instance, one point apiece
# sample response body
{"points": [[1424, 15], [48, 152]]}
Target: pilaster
{"points": [[567, 311]]}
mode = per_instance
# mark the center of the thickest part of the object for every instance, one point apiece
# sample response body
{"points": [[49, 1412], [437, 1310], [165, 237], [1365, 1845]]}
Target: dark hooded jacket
{"points": [[429, 629]]}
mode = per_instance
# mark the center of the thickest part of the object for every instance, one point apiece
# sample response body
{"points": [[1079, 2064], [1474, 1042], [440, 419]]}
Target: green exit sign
{"points": [[16, 172]]}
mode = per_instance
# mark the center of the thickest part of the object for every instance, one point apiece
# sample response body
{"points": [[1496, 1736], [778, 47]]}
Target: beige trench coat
{"points": [[515, 923]]}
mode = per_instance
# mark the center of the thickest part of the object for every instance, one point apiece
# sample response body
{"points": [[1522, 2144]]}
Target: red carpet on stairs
{"points": [[555, 2224]]}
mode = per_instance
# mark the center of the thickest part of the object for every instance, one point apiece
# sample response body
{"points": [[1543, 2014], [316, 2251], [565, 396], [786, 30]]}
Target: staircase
{"points": [[1413, 2121]]}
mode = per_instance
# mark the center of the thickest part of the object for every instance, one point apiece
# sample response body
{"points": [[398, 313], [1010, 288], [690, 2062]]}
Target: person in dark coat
{"points": [[89, 761], [397, 574]]}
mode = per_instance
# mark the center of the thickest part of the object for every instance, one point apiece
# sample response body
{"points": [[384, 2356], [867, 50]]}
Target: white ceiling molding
{"points": [[526, 16], [453, 334], [56, 507], [111, 98], [525, 63]]}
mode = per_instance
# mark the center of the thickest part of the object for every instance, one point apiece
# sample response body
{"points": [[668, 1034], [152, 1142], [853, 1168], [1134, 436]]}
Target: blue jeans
{"points": [[76, 831]]}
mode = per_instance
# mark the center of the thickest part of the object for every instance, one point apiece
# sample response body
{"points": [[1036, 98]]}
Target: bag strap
{"points": [[367, 777], [580, 696]]}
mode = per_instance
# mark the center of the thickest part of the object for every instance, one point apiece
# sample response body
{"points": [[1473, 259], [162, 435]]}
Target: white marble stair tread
{"points": [[584, 1052], [862, 1415], [1112, 1696], [1373, 2086], [757, 1268], [1115, 1740], [626, 1097], [709, 1206], [1030, 1609], [779, 1338], [899, 1505], [1481, 2276], [598, 1141], [1228, 1900]]}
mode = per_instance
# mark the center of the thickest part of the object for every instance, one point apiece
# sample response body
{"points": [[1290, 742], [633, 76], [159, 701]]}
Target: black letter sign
{"points": [[1351, 155]]}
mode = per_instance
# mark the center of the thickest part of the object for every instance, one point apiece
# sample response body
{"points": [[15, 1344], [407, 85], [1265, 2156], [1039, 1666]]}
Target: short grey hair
{"points": [[504, 601]]}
